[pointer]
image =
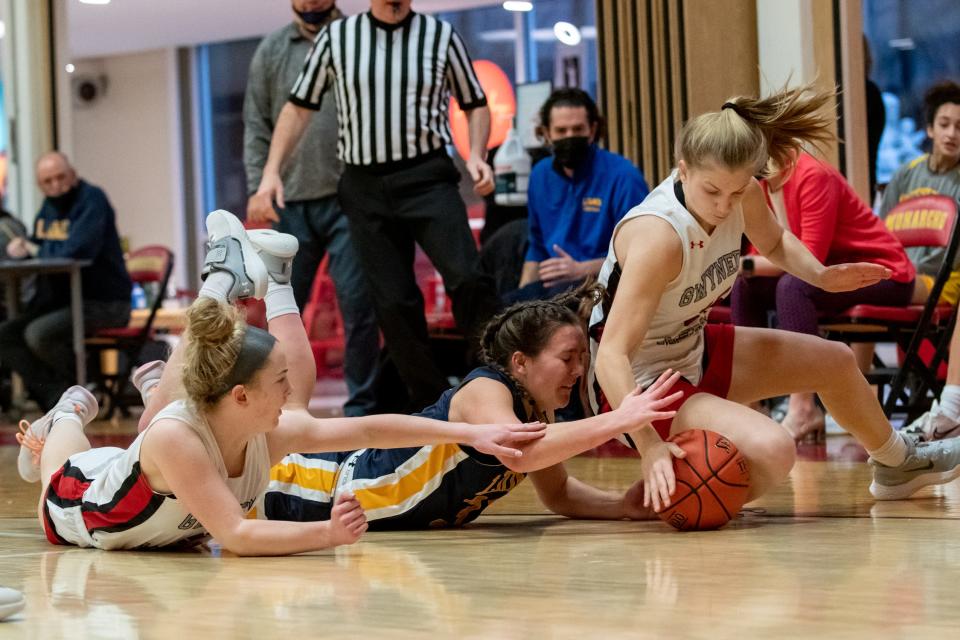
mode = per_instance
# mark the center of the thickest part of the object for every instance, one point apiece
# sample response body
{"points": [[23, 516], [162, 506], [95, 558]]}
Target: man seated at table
{"points": [[75, 221], [575, 198]]}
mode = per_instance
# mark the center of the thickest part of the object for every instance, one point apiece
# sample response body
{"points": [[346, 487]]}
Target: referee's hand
{"points": [[482, 176], [260, 209], [260, 205]]}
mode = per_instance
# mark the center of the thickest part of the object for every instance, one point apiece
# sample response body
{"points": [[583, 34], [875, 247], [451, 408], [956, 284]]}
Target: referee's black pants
{"points": [[391, 209]]}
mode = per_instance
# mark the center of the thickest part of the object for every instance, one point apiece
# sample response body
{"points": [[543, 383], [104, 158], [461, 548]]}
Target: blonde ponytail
{"points": [[747, 131]]}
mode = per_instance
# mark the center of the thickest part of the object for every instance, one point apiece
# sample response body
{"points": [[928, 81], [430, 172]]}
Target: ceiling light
{"points": [[518, 5], [567, 33], [94, 1], [69, 68]]}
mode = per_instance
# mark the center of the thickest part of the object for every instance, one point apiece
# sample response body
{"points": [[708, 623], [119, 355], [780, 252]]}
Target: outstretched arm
{"points": [[301, 432], [566, 496], [786, 251], [175, 461], [485, 400]]}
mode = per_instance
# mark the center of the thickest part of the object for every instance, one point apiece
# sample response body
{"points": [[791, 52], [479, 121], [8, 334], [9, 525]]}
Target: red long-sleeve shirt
{"points": [[833, 222]]}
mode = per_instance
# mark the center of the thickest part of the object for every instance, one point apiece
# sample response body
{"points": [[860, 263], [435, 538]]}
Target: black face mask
{"points": [[314, 18], [65, 200], [571, 152]]}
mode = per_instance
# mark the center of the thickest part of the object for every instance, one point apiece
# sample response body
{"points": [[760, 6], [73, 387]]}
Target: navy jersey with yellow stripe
{"points": [[409, 488]]}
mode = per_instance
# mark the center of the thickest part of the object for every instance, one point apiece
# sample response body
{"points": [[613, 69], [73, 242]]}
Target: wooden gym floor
{"points": [[816, 558]]}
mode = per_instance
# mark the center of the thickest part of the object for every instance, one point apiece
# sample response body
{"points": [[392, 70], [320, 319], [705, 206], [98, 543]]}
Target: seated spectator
{"points": [[10, 228], [937, 172], [575, 198], [75, 221], [816, 203]]}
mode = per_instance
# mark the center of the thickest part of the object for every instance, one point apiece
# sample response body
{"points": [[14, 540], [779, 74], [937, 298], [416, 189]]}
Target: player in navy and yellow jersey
{"points": [[200, 463], [535, 356]]}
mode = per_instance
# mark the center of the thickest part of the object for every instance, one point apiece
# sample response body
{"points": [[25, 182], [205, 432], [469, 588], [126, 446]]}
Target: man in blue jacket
{"points": [[575, 199], [75, 221]]}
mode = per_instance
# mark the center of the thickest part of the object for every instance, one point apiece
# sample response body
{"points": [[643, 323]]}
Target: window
{"points": [[913, 45]]}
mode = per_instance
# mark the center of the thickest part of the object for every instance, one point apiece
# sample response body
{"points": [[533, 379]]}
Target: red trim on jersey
{"points": [[127, 508], [64, 488], [718, 372]]}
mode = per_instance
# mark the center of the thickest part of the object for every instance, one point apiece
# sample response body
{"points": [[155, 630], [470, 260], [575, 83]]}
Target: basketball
{"points": [[712, 482]]}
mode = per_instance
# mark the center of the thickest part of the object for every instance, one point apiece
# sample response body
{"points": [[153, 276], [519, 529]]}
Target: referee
{"points": [[392, 71]]}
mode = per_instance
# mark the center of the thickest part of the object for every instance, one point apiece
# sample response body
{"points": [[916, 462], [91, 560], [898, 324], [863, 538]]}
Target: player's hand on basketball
{"points": [[482, 176], [347, 520], [645, 406], [563, 268], [502, 439], [659, 480], [260, 209], [851, 276]]}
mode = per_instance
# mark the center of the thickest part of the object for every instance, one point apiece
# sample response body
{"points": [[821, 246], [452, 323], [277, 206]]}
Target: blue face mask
{"points": [[314, 17]]}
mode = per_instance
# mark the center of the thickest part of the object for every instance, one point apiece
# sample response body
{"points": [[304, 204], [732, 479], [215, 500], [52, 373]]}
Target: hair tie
{"points": [[730, 105]]}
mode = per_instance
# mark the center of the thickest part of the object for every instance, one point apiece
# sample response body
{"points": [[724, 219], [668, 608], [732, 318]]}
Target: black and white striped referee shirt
{"points": [[392, 84]]}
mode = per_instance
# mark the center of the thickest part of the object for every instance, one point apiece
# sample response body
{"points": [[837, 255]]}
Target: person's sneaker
{"points": [[11, 602], [276, 250], [147, 376], [926, 463], [230, 250], [76, 399], [932, 425]]}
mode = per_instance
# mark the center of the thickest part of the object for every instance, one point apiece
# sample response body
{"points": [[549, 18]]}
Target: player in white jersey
{"points": [[201, 462], [674, 255]]}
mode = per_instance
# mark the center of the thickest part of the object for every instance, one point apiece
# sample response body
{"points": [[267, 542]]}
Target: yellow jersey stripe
{"points": [[374, 494]]}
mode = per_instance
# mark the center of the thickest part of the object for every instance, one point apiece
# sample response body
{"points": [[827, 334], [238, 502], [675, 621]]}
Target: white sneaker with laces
{"points": [[11, 602], [32, 435], [276, 250], [932, 425], [231, 251], [927, 463]]}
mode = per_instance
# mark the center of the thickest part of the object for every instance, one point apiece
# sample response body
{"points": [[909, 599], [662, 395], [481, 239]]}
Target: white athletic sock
{"points": [[279, 300], [217, 286], [146, 390], [63, 416], [950, 402], [893, 452]]}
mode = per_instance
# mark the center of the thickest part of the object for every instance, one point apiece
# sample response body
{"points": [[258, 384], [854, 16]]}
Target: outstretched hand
{"points": [[645, 406], [851, 276], [502, 439]]}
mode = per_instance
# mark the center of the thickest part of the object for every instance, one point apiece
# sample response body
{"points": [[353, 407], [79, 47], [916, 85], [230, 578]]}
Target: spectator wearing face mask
{"points": [[575, 198]]}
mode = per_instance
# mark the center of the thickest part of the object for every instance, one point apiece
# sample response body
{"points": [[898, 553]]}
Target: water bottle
{"points": [[511, 170], [138, 297]]}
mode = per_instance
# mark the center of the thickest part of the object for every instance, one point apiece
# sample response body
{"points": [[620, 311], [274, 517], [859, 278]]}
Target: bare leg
{"points": [[167, 390], [768, 448], [953, 364], [803, 416], [863, 352], [301, 367], [66, 438], [769, 363]]}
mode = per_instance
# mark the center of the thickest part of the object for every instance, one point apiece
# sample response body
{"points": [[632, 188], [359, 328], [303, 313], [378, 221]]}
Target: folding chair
{"points": [[150, 266], [924, 221], [324, 324]]}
